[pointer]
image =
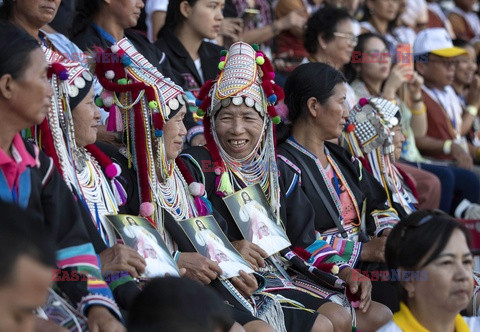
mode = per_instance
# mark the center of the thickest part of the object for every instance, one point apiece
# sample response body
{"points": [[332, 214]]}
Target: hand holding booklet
{"points": [[138, 233], [254, 217], [209, 240]]}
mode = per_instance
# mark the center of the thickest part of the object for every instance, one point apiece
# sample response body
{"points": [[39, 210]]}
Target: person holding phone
{"points": [[377, 76]]}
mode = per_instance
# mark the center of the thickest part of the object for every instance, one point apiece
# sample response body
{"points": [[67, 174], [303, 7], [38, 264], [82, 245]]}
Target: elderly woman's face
{"points": [[173, 132], [449, 284], [238, 128], [37, 12], [339, 49], [86, 117], [29, 98]]}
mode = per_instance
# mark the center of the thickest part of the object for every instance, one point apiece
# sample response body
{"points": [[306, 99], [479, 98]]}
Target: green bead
{"points": [[277, 119], [221, 65], [153, 104], [255, 47], [223, 52], [200, 112], [122, 81], [260, 60], [98, 102]]}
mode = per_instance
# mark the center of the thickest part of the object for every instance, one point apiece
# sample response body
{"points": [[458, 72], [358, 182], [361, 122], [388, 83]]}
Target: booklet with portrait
{"points": [[138, 233], [255, 219], [209, 240]]}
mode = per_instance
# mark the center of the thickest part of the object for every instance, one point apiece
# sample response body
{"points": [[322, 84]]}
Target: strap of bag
{"points": [[320, 193]]}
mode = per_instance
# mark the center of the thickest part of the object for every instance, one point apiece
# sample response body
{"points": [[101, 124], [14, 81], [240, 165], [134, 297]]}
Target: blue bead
{"points": [[158, 133], [272, 99], [198, 102]]}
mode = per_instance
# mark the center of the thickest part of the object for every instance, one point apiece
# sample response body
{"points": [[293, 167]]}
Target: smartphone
{"points": [[404, 57], [250, 15]]}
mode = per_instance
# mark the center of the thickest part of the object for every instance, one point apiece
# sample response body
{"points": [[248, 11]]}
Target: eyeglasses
{"points": [[350, 37]]}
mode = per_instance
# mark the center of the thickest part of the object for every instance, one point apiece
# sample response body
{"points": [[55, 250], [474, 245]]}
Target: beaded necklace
{"points": [[173, 196], [256, 167], [97, 193]]}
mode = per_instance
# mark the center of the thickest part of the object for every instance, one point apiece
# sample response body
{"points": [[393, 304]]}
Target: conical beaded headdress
{"points": [[246, 77]]}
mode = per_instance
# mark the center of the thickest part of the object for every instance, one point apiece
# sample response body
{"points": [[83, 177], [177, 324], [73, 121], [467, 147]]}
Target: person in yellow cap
{"points": [[448, 122]]}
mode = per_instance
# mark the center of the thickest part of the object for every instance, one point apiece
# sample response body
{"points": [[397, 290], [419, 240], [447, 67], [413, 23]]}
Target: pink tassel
{"points": [[118, 119], [114, 114], [200, 205]]}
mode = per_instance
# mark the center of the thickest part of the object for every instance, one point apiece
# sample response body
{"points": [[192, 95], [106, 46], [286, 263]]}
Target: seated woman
{"points": [[30, 179], [187, 25], [374, 135], [240, 152], [382, 78], [330, 38], [429, 251], [102, 24], [350, 210], [68, 136]]}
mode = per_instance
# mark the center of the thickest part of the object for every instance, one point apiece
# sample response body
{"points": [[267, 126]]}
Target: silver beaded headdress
{"points": [[369, 126]]}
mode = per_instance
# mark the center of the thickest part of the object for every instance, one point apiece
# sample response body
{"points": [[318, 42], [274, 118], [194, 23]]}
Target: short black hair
{"points": [[15, 48], [315, 79], [420, 237], [323, 23], [178, 305], [22, 234], [6, 9]]}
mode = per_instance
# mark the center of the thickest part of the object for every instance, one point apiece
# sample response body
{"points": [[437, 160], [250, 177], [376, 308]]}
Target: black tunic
{"points": [[364, 187], [52, 202]]}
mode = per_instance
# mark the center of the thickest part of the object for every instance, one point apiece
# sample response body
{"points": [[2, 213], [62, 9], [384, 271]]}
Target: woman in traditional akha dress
{"points": [[240, 151]]}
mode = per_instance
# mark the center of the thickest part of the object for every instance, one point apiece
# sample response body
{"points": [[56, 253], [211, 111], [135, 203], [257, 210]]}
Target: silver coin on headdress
{"points": [[87, 76], [173, 104], [249, 102], [224, 103], [237, 101], [181, 99], [79, 82], [72, 91]]}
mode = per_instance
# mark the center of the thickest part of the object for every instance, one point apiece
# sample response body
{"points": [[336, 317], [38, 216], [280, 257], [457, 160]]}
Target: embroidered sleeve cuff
{"points": [[99, 300]]}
